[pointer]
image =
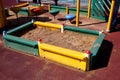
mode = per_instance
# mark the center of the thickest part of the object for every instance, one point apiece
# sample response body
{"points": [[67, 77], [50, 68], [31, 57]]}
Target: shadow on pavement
{"points": [[103, 56]]}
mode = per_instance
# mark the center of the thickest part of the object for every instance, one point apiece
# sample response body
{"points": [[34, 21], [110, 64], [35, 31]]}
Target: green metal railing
{"points": [[100, 9]]}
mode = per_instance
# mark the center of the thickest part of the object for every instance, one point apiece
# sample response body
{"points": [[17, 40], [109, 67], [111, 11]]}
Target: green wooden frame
{"points": [[31, 47]]}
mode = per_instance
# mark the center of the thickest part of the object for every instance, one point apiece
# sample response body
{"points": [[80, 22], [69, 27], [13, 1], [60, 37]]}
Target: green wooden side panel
{"points": [[95, 48], [20, 40], [97, 44], [21, 27], [21, 44], [86, 31], [18, 43]]}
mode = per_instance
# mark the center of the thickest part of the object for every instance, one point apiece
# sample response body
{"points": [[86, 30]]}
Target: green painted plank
{"points": [[71, 10], [94, 49], [21, 27], [20, 40], [87, 31], [21, 47]]}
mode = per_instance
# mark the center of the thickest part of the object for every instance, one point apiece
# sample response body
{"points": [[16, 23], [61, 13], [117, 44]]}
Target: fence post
{"points": [[67, 10], [110, 16], [89, 9], [49, 7], [77, 12]]}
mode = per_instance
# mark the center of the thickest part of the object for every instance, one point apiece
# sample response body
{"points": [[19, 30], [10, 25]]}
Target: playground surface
{"points": [[84, 22], [16, 65]]}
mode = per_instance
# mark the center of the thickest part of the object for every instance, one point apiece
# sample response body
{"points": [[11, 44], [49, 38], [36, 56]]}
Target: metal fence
{"points": [[64, 2], [67, 2]]}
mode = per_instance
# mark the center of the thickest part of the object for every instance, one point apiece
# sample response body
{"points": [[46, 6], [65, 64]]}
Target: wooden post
{"points": [[2, 15]]}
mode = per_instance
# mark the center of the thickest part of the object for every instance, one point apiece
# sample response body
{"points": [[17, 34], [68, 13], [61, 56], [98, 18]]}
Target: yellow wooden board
{"points": [[64, 56]]}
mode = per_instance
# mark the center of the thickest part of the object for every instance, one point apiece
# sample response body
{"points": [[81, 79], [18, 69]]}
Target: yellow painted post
{"points": [[2, 15], [39, 49], [67, 10], [110, 16], [49, 7], [88, 59], [77, 12], [89, 9]]}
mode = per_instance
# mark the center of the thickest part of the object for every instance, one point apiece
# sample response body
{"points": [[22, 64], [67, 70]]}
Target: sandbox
{"points": [[46, 48]]}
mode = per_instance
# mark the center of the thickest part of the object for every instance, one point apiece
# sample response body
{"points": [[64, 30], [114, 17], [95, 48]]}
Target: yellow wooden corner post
{"points": [[88, 53], [67, 10], [2, 15], [77, 12], [39, 49], [89, 9], [110, 16]]}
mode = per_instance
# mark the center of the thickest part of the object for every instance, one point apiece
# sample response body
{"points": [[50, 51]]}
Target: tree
{"points": [[34, 1]]}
